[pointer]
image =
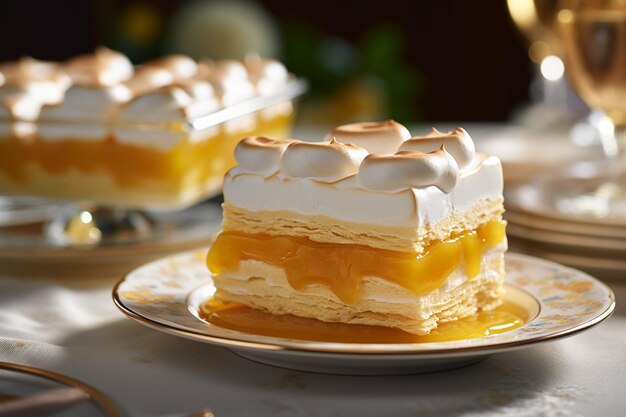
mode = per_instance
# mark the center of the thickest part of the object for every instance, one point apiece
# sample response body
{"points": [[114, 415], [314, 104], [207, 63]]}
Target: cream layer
{"points": [[345, 200]]}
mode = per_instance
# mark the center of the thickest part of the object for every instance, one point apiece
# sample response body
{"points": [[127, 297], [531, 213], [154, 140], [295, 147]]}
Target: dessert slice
{"points": [[408, 237]]}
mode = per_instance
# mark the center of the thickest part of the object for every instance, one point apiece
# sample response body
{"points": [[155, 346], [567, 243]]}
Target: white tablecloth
{"points": [[72, 327]]}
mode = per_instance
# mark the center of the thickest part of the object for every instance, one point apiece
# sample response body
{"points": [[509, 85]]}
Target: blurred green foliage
{"points": [[331, 63], [369, 79]]}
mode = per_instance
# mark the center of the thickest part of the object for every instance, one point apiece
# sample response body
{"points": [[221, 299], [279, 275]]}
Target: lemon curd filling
{"points": [[186, 165], [506, 317], [341, 267]]}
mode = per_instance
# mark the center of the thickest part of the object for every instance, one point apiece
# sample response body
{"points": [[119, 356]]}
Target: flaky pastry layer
{"points": [[330, 230]]}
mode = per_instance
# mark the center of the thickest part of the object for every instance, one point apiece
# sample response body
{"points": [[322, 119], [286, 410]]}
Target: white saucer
{"points": [[549, 196], [166, 294], [527, 219]]}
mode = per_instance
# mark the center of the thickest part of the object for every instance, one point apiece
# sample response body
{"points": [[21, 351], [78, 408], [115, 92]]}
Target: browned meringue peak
{"points": [[97, 89], [197, 89], [103, 68], [180, 66], [20, 106], [457, 142], [267, 75], [261, 154], [324, 161], [203, 99], [148, 79], [27, 70], [205, 67], [377, 137], [409, 169], [229, 78], [181, 100], [43, 81]]}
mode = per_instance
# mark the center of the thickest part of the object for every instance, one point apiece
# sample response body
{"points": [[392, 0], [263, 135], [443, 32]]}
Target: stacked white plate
{"points": [[537, 225]]}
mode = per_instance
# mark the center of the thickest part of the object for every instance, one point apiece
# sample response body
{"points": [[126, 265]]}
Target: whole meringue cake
{"points": [[96, 128], [370, 226]]}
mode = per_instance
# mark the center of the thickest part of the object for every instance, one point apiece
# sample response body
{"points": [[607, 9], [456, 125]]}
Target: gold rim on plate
{"points": [[156, 304]]}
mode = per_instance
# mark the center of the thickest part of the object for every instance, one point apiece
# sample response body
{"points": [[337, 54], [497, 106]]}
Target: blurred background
{"points": [[412, 61]]}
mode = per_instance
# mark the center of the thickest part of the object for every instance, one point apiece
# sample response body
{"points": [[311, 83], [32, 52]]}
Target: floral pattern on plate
{"points": [[165, 295]]}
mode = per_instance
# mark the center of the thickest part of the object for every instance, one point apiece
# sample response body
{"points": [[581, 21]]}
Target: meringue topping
{"points": [[103, 85], [27, 69], [348, 201], [458, 143], [324, 161], [180, 66], [230, 80], [103, 68], [44, 82], [435, 159], [182, 100], [260, 154], [148, 79], [267, 75], [87, 103], [20, 106], [377, 137], [409, 169]]}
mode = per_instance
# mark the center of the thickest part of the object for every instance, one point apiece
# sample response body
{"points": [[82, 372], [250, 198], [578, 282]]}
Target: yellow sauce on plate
{"points": [[506, 317]]}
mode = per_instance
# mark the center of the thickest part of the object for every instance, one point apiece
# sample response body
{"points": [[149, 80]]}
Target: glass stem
{"points": [[620, 140], [614, 148]]}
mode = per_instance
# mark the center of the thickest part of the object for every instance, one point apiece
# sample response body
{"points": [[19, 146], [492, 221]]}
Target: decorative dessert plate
{"points": [[166, 295]]}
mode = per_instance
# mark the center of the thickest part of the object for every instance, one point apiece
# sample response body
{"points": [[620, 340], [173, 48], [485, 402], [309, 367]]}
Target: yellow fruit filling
{"points": [[341, 267]]}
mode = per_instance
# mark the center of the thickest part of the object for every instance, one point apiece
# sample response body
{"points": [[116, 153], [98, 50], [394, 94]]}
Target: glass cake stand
{"points": [[41, 237], [38, 246]]}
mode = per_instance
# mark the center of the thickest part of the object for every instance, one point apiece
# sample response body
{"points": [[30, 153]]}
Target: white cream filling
{"points": [[87, 103], [61, 131], [160, 139], [345, 200]]}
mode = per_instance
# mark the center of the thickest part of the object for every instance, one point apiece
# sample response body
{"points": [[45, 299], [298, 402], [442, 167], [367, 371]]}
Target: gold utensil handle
{"points": [[99, 399]]}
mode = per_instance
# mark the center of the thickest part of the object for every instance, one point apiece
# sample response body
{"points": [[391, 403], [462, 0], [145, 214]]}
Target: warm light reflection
{"points": [[565, 16], [538, 50], [534, 19], [86, 217], [606, 127], [523, 12], [552, 68]]}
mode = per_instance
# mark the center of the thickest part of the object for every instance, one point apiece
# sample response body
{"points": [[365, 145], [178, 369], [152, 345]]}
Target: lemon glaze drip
{"points": [[341, 267]]}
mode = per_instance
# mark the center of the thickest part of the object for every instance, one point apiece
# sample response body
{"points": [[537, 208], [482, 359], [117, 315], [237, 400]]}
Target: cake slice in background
{"points": [[97, 129]]}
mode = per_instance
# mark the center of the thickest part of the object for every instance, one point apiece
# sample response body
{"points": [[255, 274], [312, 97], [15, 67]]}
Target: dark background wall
{"points": [[466, 60]]}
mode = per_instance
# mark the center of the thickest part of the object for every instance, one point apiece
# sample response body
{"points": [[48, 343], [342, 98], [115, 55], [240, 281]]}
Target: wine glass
{"points": [[535, 21], [594, 40]]}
